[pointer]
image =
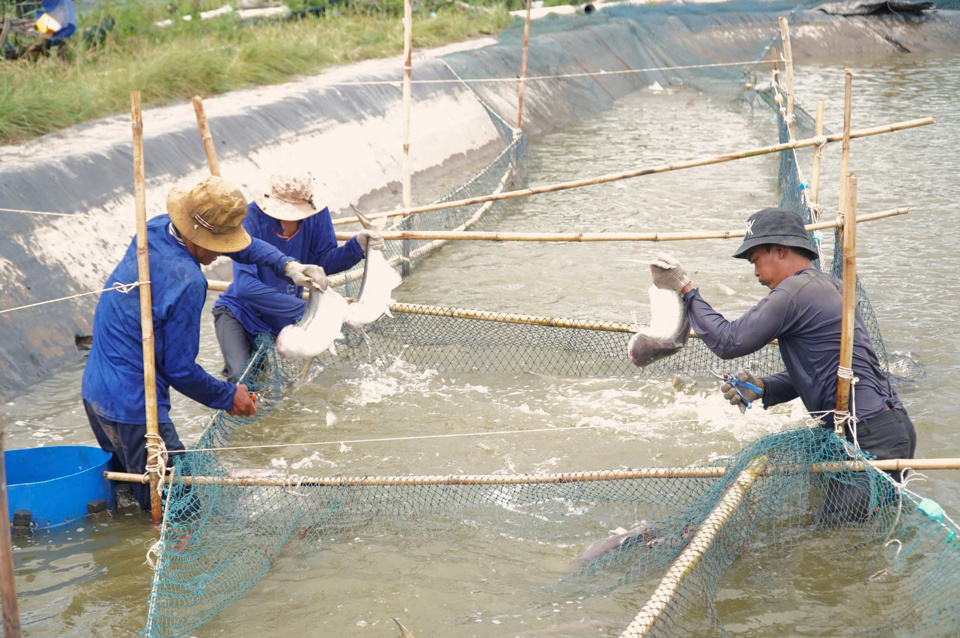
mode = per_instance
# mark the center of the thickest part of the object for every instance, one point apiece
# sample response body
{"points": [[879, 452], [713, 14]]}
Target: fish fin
{"points": [[404, 632], [333, 349], [368, 223]]}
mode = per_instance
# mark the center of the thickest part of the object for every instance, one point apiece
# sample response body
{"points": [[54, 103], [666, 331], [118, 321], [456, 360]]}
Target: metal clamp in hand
{"points": [[737, 384]]}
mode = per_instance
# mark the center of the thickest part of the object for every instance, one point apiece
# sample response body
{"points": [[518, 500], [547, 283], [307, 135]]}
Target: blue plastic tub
{"points": [[55, 483]]}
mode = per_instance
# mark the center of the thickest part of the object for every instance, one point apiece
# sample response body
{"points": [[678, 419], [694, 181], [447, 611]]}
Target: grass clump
{"points": [[85, 81]]}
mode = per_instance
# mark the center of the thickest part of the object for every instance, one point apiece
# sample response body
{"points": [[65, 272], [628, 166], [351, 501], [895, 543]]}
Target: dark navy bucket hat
{"points": [[776, 226]]}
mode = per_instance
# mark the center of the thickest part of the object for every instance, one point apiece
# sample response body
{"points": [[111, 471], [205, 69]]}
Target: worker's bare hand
{"points": [[243, 404]]}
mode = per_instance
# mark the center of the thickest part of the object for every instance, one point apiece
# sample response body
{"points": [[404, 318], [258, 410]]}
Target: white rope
{"points": [[119, 287], [418, 438], [156, 459], [42, 212], [849, 417]]}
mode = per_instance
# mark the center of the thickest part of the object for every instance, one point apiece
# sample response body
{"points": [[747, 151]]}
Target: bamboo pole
{"points": [[146, 304], [688, 559], [206, 137], [8, 583], [477, 235], [788, 65], [887, 465], [406, 196], [814, 192], [846, 136], [653, 170], [523, 71], [848, 318]]}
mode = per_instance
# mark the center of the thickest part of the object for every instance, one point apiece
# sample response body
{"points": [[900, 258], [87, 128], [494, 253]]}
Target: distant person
{"points": [[201, 224], [803, 313], [258, 301]]}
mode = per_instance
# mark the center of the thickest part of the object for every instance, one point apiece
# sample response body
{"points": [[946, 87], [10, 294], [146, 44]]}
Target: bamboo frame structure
{"points": [[846, 136], [146, 301], [788, 65], [653, 170], [8, 583], [453, 235], [887, 465], [688, 559], [848, 317], [813, 196], [523, 70], [406, 195], [208, 146]]}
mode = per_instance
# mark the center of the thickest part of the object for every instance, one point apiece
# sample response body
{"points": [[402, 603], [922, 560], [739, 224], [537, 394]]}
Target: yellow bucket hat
{"points": [[210, 215]]}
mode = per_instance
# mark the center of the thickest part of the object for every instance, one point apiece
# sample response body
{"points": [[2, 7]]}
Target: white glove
{"points": [[309, 276], [668, 274], [369, 239]]}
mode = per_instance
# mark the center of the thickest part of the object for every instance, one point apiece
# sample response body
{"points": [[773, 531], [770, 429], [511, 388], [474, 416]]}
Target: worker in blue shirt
{"points": [[803, 313], [201, 224], [258, 301]]}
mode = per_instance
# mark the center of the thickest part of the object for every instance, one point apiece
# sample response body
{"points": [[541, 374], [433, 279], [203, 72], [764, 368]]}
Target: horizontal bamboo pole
{"points": [[662, 168], [889, 465], [453, 235]]}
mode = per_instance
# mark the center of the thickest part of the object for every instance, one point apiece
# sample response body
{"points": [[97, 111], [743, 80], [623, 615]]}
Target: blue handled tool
{"points": [[737, 384]]}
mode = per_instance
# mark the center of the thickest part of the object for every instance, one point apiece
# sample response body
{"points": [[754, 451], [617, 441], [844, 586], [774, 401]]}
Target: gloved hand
{"points": [[668, 274], [370, 240], [731, 395], [309, 276]]}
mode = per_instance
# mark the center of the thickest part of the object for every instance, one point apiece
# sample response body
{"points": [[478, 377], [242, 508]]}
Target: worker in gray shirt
{"points": [[803, 314]]}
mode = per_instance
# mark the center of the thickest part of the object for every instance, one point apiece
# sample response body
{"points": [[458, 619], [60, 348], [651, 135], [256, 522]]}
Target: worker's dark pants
{"points": [[852, 497], [128, 444], [235, 343]]}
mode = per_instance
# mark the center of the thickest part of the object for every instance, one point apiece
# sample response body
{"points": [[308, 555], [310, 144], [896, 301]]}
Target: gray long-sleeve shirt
{"points": [[804, 314]]}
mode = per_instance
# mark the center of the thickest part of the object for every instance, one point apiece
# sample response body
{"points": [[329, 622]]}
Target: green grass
{"points": [[204, 58]]}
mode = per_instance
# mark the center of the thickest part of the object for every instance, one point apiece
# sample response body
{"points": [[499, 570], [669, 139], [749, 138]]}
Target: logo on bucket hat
{"points": [[776, 226], [210, 215]]}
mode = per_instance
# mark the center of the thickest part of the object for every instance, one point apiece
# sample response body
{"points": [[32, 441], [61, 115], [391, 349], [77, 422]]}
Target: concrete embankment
{"points": [[345, 127]]}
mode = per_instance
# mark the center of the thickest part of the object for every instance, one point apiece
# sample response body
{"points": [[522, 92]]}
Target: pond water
{"points": [[89, 578]]}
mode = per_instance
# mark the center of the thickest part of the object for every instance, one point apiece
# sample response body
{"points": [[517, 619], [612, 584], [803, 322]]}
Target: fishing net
{"points": [[684, 532]]}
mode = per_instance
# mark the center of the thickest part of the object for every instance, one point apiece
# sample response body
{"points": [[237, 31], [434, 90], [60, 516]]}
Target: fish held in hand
{"points": [[667, 332], [317, 330], [376, 291]]}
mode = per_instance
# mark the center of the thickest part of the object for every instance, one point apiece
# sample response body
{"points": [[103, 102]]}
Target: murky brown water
{"points": [[89, 579]]}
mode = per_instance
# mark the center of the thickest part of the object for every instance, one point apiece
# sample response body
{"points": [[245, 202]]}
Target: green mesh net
{"points": [[685, 529]]}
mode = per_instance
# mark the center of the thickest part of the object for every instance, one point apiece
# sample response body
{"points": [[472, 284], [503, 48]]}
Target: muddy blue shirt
{"points": [[113, 376], [263, 302], [804, 314]]}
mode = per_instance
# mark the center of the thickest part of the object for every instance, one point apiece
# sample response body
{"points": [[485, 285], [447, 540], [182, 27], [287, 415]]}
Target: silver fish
{"points": [[376, 289], [667, 332], [318, 329], [642, 535]]}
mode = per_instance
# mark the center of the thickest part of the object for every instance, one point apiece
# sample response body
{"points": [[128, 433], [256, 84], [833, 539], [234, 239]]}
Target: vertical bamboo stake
{"points": [[523, 71], [205, 136], [146, 300], [8, 585], [788, 64], [407, 98], [814, 196], [847, 322], [845, 148]]}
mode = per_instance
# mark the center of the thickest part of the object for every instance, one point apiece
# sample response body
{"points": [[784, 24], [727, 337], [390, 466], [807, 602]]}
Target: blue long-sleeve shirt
{"points": [[804, 315], [113, 376], [263, 302]]}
